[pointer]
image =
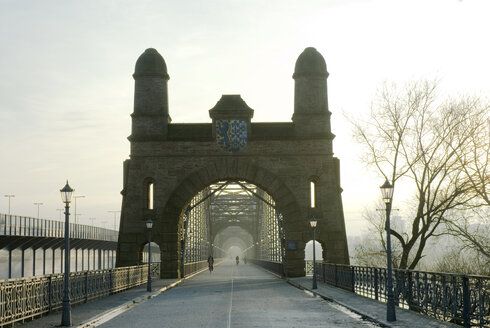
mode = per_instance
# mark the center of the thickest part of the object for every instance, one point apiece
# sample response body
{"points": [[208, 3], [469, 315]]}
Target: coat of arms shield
{"points": [[231, 135]]}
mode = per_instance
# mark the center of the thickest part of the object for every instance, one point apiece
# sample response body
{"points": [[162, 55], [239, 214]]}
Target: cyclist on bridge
{"points": [[210, 263]]}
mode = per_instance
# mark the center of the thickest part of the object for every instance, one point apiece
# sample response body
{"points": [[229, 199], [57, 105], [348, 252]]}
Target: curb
{"points": [[109, 314]]}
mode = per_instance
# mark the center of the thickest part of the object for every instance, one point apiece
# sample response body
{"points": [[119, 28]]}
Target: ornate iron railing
{"points": [[309, 266], [461, 299], [26, 298], [13, 225]]}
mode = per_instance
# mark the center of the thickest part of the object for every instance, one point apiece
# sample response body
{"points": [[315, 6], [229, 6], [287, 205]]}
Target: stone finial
{"points": [[231, 107], [310, 63], [151, 63]]}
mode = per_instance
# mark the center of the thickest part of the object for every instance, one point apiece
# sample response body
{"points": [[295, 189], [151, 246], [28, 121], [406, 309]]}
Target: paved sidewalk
{"points": [[369, 308]]}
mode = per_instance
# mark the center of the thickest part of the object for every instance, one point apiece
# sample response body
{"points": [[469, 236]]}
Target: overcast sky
{"points": [[66, 90]]}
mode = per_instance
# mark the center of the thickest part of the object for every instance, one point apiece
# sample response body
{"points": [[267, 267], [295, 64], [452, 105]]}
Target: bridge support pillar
{"points": [[10, 262], [100, 258], [33, 261], [53, 250], [44, 261], [22, 264]]}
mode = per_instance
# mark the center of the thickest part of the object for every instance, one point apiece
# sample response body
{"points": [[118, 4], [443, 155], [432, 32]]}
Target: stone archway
{"points": [[292, 161], [242, 169]]}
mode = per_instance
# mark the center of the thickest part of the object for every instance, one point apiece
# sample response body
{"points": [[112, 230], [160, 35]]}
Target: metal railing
{"points": [[272, 266], [26, 298], [13, 225], [309, 267], [456, 298]]}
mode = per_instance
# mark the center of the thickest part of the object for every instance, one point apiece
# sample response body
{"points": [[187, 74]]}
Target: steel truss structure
{"points": [[268, 232], [196, 228], [234, 204]]}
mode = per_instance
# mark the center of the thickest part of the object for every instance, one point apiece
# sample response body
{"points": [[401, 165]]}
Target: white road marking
{"points": [[231, 298]]}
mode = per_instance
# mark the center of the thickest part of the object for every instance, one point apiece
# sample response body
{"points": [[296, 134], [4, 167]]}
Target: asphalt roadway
{"points": [[236, 296]]}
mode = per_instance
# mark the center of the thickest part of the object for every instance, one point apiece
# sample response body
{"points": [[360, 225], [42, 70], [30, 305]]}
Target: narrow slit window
{"points": [[150, 195], [312, 194]]}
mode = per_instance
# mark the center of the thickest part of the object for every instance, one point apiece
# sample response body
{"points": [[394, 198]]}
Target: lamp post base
{"points": [[66, 314], [390, 313]]}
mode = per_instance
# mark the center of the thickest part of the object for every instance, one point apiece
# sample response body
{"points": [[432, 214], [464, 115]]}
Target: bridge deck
{"points": [[231, 296], [235, 296]]}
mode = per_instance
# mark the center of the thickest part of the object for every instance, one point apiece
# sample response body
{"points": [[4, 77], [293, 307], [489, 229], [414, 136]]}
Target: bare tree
{"points": [[472, 226], [371, 250], [412, 139], [457, 260]]}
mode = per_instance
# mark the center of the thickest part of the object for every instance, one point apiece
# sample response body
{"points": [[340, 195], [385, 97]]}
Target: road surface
{"points": [[236, 296]]}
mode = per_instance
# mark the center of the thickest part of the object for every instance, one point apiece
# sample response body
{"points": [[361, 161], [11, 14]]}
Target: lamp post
{"points": [[115, 219], [313, 225], [38, 204], [387, 194], [66, 194], [9, 196], [75, 198], [149, 225]]}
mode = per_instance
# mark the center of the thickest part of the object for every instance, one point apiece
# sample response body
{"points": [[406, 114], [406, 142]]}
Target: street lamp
{"points": [[75, 198], [387, 194], [9, 196], [149, 225], [115, 213], [38, 204], [313, 223], [66, 194]]}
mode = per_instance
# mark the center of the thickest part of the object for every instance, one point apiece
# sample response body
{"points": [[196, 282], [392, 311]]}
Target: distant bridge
{"points": [[92, 247]]}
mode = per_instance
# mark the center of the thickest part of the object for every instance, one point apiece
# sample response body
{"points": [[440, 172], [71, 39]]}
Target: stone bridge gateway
{"points": [[170, 163]]}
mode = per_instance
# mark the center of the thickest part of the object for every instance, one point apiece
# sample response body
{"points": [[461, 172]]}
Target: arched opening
{"points": [[235, 251], [155, 253], [228, 219], [309, 256], [235, 241]]}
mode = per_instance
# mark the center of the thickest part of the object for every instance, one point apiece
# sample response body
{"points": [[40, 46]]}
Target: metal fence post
{"points": [[353, 279], [323, 272], [50, 292], [466, 301], [376, 284], [454, 299], [86, 287], [409, 290], [111, 281]]}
